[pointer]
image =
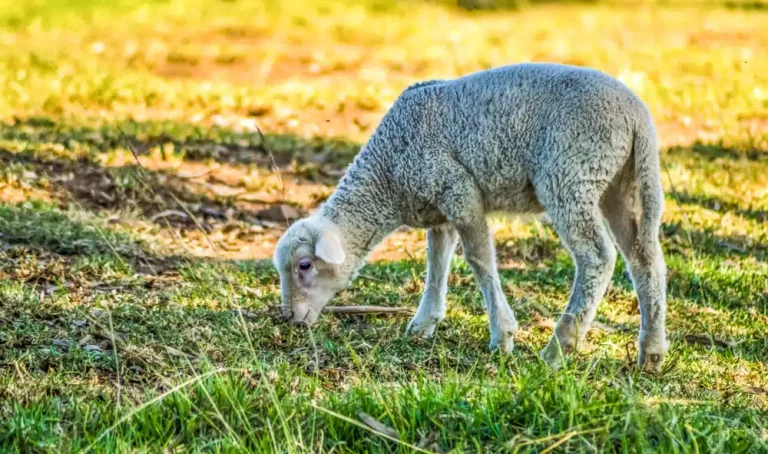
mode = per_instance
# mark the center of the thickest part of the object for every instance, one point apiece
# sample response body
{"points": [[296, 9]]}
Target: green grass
{"points": [[137, 299]]}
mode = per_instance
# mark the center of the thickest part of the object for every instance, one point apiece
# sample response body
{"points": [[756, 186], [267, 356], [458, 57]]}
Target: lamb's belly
{"points": [[502, 176], [515, 198]]}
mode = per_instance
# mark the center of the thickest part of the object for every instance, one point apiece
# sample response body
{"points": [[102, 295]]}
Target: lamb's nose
{"points": [[301, 314]]}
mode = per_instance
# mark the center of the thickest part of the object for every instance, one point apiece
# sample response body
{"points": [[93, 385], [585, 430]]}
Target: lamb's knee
{"points": [[597, 258], [606, 253], [646, 252], [649, 270]]}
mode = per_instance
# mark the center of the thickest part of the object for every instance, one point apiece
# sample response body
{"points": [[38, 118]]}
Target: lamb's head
{"points": [[313, 267]]}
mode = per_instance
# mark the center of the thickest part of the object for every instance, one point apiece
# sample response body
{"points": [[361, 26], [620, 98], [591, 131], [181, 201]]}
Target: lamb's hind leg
{"points": [[646, 264], [441, 244], [583, 232]]}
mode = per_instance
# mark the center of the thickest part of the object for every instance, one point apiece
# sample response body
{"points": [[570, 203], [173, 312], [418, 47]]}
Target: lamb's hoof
{"points": [[651, 363], [554, 353], [652, 352], [422, 326], [503, 342]]}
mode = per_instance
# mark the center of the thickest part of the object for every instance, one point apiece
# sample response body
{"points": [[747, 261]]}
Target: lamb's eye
{"points": [[305, 265]]}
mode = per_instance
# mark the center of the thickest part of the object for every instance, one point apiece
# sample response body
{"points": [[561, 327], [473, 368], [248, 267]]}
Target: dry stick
{"points": [[559, 442], [377, 425], [198, 175], [708, 341], [566, 436], [355, 310], [371, 278], [117, 357], [197, 223], [168, 213], [366, 427]]}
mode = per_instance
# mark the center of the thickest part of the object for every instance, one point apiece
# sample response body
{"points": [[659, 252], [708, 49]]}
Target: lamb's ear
{"points": [[328, 248]]}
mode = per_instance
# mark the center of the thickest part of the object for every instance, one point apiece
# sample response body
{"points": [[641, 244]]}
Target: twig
{"points": [[363, 426], [559, 442], [197, 175], [167, 213], [371, 278], [113, 338], [607, 328], [377, 425], [355, 310], [708, 341]]}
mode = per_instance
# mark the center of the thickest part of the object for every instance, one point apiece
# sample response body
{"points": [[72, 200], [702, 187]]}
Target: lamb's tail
{"points": [[650, 190]]}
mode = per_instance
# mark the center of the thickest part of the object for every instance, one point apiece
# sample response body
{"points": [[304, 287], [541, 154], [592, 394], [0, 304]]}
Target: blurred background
{"points": [[331, 68], [189, 81]]}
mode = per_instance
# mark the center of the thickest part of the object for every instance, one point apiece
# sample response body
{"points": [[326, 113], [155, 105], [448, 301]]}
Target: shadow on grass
{"points": [[42, 231], [714, 203], [196, 142], [712, 151], [67, 156], [703, 243], [130, 188]]}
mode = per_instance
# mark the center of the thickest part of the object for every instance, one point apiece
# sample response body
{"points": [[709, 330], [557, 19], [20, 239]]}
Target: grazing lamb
{"points": [[528, 138]]}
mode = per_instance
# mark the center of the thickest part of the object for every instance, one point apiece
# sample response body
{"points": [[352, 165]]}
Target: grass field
{"points": [[138, 302]]}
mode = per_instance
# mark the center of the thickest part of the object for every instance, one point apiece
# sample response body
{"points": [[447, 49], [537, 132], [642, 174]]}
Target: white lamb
{"points": [[525, 138]]}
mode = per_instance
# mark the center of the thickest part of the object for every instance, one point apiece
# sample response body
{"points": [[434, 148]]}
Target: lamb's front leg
{"points": [[477, 242], [441, 244]]}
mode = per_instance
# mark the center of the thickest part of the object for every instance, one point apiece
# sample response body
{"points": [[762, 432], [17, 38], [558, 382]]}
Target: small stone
{"points": [[97, 313], [92, 348], [117, 338], [247, 315], [29, 175], [65, 343]]}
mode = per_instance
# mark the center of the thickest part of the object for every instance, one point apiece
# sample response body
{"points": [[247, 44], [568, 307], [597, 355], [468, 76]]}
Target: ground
{"points": [[138, 302]]}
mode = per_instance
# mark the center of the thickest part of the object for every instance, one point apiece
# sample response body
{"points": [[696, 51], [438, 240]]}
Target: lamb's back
{"points": [[502, 123], [500, 127]]}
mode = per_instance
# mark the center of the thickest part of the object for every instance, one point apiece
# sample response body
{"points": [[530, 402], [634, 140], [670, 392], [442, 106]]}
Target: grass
{"points": [[137, 300]]}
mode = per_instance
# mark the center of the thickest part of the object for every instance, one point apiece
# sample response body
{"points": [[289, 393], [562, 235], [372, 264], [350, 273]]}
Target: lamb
{"points": [[524, 139]]}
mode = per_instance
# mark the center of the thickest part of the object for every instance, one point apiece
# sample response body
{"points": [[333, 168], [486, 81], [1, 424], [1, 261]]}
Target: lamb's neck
{"points": [[364, 208]]}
